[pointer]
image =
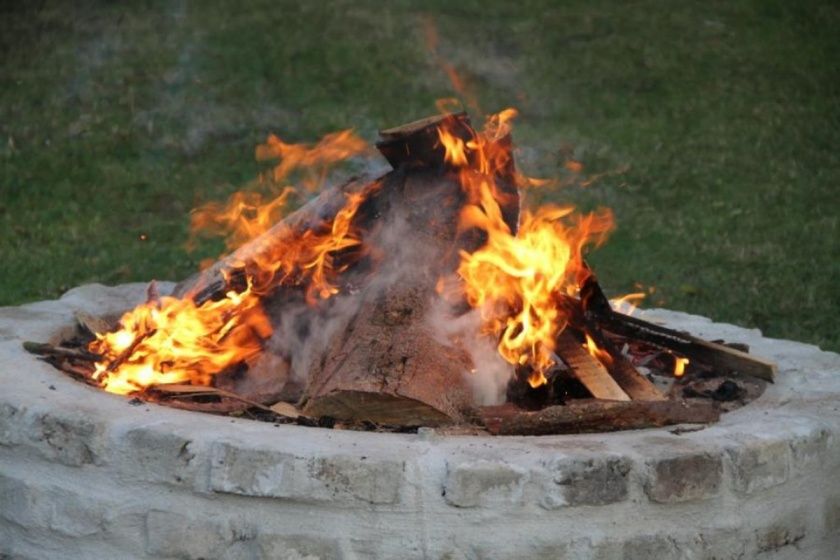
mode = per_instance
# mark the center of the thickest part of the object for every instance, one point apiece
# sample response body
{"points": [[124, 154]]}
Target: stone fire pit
{"points": [[86, 474]]}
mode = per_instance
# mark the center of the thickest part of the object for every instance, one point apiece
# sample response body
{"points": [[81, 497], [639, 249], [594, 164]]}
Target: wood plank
{"points": [[584, 416], [587, 369], [637, 386]]}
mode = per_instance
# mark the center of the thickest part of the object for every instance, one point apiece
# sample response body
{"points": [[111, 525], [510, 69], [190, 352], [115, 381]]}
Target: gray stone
{"points": [[44, 505], [483, 483], [810, 449], [253, 472], [759, 464], [176, 536], [831, 515], [158, 454], [684, 478], [68, 438], [788, 530], [593, 481], [297, 547]]}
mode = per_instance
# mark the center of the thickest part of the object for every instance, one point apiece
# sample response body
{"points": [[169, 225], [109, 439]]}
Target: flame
{"points": [[515, 280], [175, 341], [598, 353], [247, 214], [627, 303], [315, 160], [679, 366]]}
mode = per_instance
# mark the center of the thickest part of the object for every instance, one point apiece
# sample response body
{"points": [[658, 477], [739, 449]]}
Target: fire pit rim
{"points": [[783, 436]]}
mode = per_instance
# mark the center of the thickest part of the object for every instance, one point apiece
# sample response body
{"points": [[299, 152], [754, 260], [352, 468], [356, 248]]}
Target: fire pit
{"points": [[85, 474], [429, 319]]}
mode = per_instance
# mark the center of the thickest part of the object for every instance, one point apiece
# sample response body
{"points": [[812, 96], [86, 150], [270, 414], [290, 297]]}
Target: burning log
{"points": [[721, 356], [582, 416], [587, 369], [387, 366]]}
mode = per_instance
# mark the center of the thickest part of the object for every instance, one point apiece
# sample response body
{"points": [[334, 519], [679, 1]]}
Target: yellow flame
{"points": [[515, 280]]}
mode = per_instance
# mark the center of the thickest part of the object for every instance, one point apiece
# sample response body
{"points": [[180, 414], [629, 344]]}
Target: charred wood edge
{"points": [[583, 416], [177, 391], [597, 308], [417, 143], [45, 349], [631, 381], [587, 369], [636, 385]]}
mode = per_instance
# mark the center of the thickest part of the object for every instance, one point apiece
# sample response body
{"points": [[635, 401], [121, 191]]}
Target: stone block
{"points": [[594, 481], [172, 535], [684, 478], [158, 454], [809, 450], [297, 547], [786, 531], [67, 437], [40, 504], [255, 472], [483, 483], [759, 464]]}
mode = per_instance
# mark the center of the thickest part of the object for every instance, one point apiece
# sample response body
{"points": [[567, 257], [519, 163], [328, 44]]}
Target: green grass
{"points": [[725, 117]]}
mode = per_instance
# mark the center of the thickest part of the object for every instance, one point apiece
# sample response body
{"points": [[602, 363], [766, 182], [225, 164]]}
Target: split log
{"points": [[587, 369], [584, 416], [387, 367]]}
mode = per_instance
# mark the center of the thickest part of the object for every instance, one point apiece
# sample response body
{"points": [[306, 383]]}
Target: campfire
{"points": [[432, 295]]}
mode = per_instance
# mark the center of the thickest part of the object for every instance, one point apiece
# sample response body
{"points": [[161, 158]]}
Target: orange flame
{"points": [[598, 353], [515, 280], [175, 340], [247, 215]]}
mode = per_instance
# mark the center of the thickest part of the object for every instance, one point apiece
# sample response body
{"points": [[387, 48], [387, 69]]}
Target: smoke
{"points": [[490, 373]]}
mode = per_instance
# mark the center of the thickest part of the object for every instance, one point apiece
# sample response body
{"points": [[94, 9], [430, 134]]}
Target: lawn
{"points": [[716, 126]]}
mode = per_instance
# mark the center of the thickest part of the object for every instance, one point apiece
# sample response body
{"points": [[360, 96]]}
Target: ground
{"points": [[713, 126]]}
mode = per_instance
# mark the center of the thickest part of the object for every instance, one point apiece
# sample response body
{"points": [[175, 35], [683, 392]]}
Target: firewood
{"points": [[585, 415], [683, 344], [712, 354], [44, 349], [387, 366], [636, 385], [587, 369]]}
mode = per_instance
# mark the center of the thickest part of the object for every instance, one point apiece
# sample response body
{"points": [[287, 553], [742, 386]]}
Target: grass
{"points": [[724, 118]]}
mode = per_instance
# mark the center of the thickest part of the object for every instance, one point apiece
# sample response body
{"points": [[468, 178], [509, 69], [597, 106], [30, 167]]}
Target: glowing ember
{"points": [[515, 280], [679, 366]]}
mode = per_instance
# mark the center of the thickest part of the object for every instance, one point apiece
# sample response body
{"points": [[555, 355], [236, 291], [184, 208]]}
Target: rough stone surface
{"points": [[760, 464], [83, 474], [684, 478], [484, 483], [593, 481], [307, 479]]}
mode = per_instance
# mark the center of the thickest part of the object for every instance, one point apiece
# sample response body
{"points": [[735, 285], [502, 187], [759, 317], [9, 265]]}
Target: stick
{"points": [[44, 349], [583, 416]]}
